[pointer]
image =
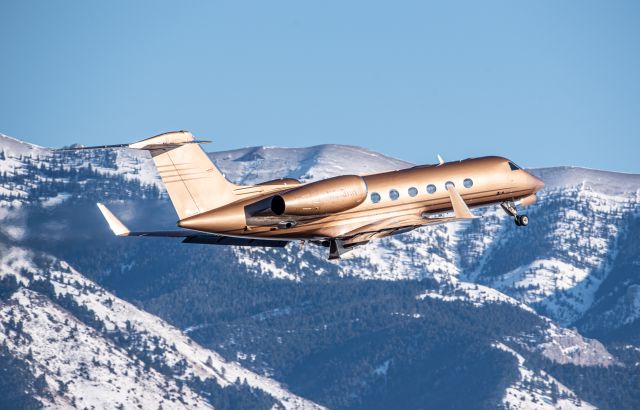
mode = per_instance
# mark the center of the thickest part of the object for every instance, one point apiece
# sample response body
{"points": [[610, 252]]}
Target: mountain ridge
{"points": [[227, 156], [463, 265]]}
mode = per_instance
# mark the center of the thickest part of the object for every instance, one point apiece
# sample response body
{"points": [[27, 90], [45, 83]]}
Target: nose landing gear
{"points": [[522, 220], [510, 208]]}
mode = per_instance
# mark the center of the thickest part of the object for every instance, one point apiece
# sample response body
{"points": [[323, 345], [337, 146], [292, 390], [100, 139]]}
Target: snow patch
{"points": [[55, 200], [537, 390]]}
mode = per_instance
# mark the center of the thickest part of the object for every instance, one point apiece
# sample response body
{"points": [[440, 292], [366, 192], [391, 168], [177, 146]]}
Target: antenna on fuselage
{"points": [[440, 160]]}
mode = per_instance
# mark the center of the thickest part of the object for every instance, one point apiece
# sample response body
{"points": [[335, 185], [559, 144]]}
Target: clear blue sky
{"points": [[542, 82]]}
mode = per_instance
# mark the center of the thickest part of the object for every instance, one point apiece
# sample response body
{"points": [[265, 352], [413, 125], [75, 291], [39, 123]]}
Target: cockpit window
{"points": [[513, 166]]}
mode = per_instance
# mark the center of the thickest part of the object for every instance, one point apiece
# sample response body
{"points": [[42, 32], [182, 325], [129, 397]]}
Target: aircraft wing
{"points": [[119, 229], [388, 224], [394, 226], [461, 211], [405, 223]]}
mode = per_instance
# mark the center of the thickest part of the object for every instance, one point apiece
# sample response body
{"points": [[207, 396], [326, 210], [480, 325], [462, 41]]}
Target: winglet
{"points": [[460, 208], [116, 226], [440, 160]]}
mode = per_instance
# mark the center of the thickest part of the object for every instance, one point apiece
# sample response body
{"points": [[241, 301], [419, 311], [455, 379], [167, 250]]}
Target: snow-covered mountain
{"points": [[87, 348], [575, 265], [578, 224]]}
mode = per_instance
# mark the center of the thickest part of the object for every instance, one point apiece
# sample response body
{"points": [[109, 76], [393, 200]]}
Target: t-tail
{"points": [[193, 182]]}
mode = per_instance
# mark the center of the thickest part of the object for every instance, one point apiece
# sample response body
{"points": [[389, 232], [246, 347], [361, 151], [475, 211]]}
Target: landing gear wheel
{"points": [[510, 208], [522, 220]]}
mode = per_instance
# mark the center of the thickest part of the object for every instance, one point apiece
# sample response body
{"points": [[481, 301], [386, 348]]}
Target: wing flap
{"points": [[233, 241]]}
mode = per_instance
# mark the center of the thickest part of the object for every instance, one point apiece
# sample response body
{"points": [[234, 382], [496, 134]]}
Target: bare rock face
{"points": [[568, 346]]}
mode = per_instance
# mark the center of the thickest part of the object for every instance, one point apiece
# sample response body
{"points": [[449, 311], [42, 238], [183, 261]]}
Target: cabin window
{"points": [[449, 184], [413, 191], [431, 188], [468, 183], [394, 194], [513, 166], [375, 197]]}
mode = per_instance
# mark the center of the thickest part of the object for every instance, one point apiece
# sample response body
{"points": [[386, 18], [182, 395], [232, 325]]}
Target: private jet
{"points": [[339, 213]]}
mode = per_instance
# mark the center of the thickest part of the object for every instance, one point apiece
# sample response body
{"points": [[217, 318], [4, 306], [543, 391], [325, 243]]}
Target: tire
{"points": [[524, 220], [517, 220]]}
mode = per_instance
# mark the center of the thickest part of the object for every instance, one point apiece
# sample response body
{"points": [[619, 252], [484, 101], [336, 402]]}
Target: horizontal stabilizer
{"points": [[82, 148], [167, 140]]}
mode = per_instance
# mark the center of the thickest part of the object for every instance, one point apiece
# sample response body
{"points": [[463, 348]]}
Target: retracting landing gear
{"points": [[510, 208], [522, 220], [338, 248]]}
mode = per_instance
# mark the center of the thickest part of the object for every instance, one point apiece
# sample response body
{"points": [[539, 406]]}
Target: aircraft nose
{"points": [[536, 183]]}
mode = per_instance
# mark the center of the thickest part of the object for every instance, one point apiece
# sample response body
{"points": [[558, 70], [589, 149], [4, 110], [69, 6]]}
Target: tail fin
{"points": [[194, 184]]}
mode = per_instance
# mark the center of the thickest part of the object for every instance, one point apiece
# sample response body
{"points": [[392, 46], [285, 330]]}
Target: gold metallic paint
{"points": [[493, 182]]}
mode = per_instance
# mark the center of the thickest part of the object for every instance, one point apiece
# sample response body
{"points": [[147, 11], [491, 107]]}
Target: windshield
{"points": [[513, 166]]}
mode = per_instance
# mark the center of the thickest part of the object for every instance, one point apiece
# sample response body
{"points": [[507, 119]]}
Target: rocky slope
{"points": [[86, 347]]}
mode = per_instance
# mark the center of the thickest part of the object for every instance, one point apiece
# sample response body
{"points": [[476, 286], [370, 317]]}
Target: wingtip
{"points": [[117, 227], [460, 208]]}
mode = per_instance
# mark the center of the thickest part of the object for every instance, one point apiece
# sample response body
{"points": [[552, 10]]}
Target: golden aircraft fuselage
{"points": [[404, 198], [340, 212]]}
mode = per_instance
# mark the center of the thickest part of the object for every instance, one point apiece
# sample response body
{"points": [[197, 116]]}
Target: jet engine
{"points": [[323, 197]]}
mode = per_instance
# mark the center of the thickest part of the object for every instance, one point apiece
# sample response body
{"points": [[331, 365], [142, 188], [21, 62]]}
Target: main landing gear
{"points": [[510, 208]]}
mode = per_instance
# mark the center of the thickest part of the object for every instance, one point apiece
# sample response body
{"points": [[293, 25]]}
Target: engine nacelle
{"points": [[323, 197]]}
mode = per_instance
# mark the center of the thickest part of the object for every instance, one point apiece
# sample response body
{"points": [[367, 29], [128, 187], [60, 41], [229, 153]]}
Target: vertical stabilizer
{"points": [[194, 184]]}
